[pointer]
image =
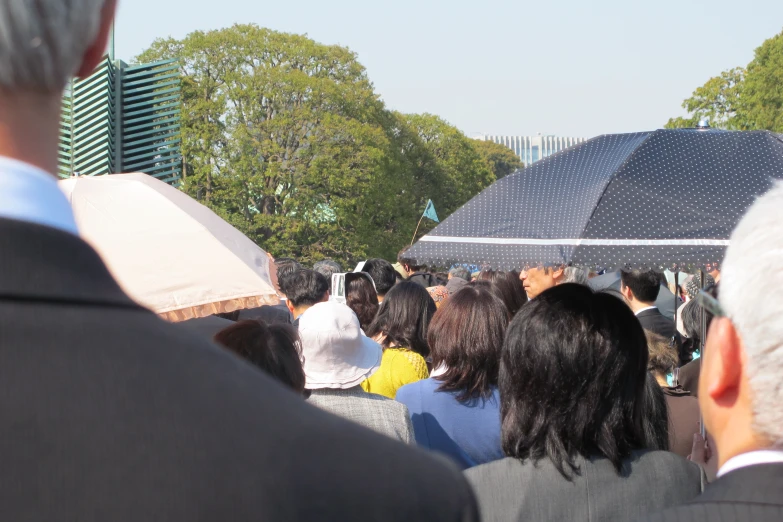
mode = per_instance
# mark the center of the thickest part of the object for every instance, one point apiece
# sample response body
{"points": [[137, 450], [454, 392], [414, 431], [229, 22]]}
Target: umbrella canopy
{"points": [[167, 251], [648, 200]]}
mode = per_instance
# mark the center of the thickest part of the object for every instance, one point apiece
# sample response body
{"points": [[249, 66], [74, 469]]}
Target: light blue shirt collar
{"points": [[30, 194]]}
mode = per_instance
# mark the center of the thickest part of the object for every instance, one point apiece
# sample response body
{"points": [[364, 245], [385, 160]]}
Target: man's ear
{"points": [[626, 291], [723, 362], [97, 49], [290, 306], [557, 273]]}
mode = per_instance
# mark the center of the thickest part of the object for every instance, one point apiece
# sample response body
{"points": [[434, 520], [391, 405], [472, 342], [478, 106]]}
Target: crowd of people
{"points": [[523, 377], [424, 395]]}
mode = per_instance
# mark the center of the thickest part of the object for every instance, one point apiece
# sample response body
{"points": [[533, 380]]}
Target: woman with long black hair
{"points": [[573, 376]]}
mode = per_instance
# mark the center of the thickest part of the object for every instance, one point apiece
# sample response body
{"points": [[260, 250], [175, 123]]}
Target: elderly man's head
{"points": [[460, 272], [46, 42], [537, 279], [741, 384], [43, 43]]}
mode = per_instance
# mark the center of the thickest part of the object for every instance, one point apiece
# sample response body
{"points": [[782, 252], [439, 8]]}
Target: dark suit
{"points": [[207, 327], [109, 413], [509, 490], [656, 322], [689, 377], [752, 493], [684, 417], [270, 314], [424, 279]]}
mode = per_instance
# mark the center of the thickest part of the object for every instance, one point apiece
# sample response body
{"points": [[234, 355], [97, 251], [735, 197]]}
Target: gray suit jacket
{"points": [[368, 409], [511, 490], [751, 493]]}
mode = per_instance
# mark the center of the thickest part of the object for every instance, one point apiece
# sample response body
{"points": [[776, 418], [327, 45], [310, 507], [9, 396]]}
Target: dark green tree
{"points": [[287, 140], [717, 100], [501, 159], [749, 98], [762, 91], [443, 164], [283, 137]]}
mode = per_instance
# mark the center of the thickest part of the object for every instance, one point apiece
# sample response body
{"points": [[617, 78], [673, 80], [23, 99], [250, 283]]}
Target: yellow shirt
{"points": [[399, 366]]}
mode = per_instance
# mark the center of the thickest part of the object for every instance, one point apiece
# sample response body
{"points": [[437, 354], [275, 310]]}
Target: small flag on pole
{"points": [[430, 213]]}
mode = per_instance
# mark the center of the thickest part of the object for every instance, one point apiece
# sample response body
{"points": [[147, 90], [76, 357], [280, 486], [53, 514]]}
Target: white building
{"points": [[533, 148]]}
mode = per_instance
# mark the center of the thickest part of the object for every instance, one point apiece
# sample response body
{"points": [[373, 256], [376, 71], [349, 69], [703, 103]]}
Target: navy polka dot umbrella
{"points": [[661, 199]]}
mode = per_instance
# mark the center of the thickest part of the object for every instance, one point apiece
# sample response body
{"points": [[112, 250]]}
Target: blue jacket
{"points": [[467, 432]]}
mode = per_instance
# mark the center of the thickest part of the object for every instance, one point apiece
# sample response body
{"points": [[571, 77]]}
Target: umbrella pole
{"points": [[417, 230], [676, 291], [703, 339]]}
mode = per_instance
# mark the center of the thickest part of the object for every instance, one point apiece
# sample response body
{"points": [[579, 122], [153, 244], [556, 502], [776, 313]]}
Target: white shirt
{"points": [[645, 309], [440, 370], [752, 458], [30, 194]]}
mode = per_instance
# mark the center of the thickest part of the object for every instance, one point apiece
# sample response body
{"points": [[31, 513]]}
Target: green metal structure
{"points": [[123, 118]]}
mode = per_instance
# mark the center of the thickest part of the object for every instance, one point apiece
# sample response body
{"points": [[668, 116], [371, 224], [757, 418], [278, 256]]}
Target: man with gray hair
{"points": [[741, 382], [328, 268], [540, 278], [459, 276], [109, 413]]}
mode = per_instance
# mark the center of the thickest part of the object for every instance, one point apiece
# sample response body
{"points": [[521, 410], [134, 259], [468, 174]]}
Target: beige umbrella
{"points": [[167, 251]]}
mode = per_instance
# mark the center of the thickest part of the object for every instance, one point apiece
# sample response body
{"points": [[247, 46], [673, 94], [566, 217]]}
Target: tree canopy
{"points": [[748, 98], [502, 159], [286, 139]]}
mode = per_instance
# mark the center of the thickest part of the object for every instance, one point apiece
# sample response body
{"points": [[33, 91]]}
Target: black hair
{"points": [[655, 417], [572, 379], [306, 288], [404, 318], [406, 260], [275, 349], [466, 336], [507, 287], [327, 268], [360, 296], [383, 274], [645, 284], [286, 267]]}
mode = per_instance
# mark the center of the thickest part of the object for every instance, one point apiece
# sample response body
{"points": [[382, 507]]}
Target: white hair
{"points": [[750, 290], [573, 274], [42, 42]]}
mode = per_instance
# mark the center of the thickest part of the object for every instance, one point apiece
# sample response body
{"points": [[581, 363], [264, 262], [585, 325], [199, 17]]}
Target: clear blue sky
{"points": [[566, 67]]}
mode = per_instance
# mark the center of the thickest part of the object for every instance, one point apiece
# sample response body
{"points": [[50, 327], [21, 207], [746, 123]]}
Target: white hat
{"points": [[336, 352]]}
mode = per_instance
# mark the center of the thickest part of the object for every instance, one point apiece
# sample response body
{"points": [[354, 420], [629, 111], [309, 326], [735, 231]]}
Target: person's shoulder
{"points": [[383, 402], [703, 511], [687, 512], [411, 390], [666, 464], [691, 367], [501, 471], [418, 393]]}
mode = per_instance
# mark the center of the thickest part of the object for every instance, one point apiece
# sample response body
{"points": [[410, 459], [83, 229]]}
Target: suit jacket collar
{"points": [[40, 263], [650, 312], [753, 484]]}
